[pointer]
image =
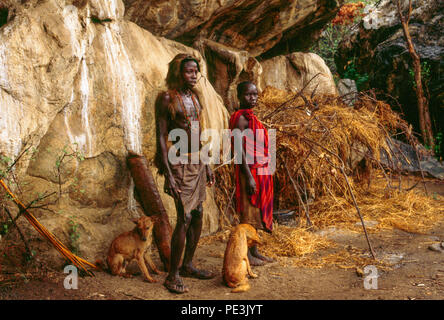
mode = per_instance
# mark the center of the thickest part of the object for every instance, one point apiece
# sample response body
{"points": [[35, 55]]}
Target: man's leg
{"points": [[254, 261], [193, 236], [173, 281], [255, 253]]}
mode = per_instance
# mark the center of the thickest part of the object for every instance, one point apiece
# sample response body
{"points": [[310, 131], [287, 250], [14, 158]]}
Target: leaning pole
{"points": [[149, 199]]}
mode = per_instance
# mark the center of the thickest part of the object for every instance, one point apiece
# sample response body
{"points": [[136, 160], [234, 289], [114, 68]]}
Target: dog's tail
{"points": [[102, 265]]}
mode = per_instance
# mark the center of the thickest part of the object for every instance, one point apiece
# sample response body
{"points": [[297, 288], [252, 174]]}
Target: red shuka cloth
{"points": [[256, 147]]}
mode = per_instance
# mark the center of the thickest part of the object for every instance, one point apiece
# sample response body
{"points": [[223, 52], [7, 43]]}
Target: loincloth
{"points": [[191, 179], [250, 214]]}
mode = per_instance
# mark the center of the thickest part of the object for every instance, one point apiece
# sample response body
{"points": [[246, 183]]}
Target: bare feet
{"points": [[254, 261], [255, 253], [192, 272], [176, 285]]}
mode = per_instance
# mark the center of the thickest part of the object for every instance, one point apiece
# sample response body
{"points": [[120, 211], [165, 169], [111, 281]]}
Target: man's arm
{"points": [[211, 179], [162, 133]]}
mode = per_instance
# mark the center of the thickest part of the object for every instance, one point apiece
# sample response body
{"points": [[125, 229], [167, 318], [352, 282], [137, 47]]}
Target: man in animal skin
{"points": [[179, 108]]}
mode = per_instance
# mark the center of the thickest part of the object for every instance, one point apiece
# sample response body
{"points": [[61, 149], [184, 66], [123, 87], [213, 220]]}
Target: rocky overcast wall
{"points": [[68, 82], [76, 74]]}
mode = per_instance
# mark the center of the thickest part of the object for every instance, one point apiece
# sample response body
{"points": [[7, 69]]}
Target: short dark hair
{"points": [[188, 59], [242, 86]]}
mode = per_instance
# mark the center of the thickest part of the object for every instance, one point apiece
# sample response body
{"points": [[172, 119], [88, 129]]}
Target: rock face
{"points": [[76, 76], [78, 83], [348, 90], [378, 49], [251, 25], [296, 71], [235, 37], [228, 67]]}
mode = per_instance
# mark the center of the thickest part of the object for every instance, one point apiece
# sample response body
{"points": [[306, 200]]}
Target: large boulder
{"points": [[297, 71], [228, 67], [251, 25], [78, 83], [348, 90], [378, 48]]}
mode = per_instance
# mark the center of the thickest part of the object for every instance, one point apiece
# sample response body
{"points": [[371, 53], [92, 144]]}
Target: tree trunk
{"points": [[425, 123]]}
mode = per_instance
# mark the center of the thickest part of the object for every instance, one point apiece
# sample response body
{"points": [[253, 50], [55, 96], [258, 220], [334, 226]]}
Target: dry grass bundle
{"points": [[223, 195], [292, 242], [317, 137], [410, 211]]}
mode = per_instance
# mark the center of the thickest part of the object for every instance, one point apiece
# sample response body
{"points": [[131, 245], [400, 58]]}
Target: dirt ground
{"points": [[416, 273]]}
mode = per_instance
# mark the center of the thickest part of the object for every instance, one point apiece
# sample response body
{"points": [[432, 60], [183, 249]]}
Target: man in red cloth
{"points": [[254, 180]]}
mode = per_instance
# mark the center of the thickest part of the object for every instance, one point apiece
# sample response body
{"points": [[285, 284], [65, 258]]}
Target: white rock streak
{"points": [[11, 111], [84, 92], [72, 23], [79, 140], [79, 42], [124, 86], [124, 90]]}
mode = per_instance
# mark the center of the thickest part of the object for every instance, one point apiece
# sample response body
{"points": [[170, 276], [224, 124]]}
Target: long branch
{"points": [[342, 169]]}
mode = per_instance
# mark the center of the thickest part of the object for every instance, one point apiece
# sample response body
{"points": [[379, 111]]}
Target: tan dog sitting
{"points": [[131, 245], [236, 265]]}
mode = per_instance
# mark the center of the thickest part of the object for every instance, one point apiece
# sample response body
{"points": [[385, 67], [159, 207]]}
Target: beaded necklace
{"points": [[184, 110]]}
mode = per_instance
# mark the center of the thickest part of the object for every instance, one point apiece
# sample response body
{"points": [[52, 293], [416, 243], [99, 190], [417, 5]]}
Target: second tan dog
{"points": [[131, 245], [236, 265]]}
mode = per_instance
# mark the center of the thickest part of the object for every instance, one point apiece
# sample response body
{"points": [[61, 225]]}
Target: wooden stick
{"points": [[28, 250], [307, 215], [230, 199], [280, 107], [341, 168], [79, 262], [152, 204]]}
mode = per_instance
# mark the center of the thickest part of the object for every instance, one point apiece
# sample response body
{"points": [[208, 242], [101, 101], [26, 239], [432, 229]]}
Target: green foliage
{"points": [[328, 43], [67, 153], [5, 160], [74, 235], [4, 227], [351, 72], [333, 33], [439, 146], [426, 72], [29, 256]]}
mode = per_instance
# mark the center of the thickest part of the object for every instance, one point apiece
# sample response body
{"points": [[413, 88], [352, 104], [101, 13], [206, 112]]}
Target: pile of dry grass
{"points": [[328, 167], [316, 138], [292, 242], [410, 211]]}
